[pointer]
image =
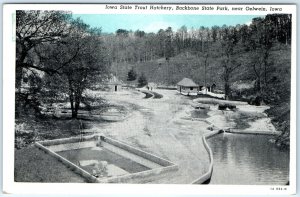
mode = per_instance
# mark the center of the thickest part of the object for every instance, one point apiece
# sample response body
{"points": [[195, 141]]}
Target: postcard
{"points": [[149, 99]]}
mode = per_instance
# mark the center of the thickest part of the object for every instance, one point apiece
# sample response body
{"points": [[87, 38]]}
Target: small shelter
{"points": [[187, 87], [151, 85], [213, 87], [208, 88], [114, 84]]}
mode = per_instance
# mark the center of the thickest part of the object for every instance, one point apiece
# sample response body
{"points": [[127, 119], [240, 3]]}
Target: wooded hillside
{"points": [[59, 57], [257, 56], [258, 53]]}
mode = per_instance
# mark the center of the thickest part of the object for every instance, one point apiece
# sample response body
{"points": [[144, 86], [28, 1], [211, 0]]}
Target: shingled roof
{"points": [[186, 82], [114, 81]]}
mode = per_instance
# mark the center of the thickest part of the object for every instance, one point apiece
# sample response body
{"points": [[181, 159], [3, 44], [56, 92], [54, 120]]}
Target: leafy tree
{"points": [[260, 42], [34, 28], [132, 75], [78, 60], [161, 43], [169, 43], [28, 100], [215, 30], [142, 81], [122, 32], [228, 62], [202, 37], [139, 33]]}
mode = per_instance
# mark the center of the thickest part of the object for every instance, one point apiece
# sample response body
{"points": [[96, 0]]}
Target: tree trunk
{"points": [[258, 85], [77, 103], [77, 100], [266, 56], [19, 77], [72, 99], [226, 90], [226, 82], [19, 68], [227, 72], [258, 78], [74, 112]]}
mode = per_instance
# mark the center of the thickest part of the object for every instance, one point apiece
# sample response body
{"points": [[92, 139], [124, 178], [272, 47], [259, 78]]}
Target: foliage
{"points": [[122, 32], [67, 54], [79, 65], [142, 80], [132, 75], [34, 28], [229, 50]]}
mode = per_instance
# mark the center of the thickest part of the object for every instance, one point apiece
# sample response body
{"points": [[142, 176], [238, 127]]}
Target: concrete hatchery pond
{"points": [[248, 159], [102, 159], [112, 164]]}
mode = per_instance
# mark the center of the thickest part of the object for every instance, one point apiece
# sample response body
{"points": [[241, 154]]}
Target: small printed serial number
{"points": [[278, 188]]}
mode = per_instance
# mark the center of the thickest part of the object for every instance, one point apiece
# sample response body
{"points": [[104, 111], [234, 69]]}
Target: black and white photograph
{"points": [[151, 94]]}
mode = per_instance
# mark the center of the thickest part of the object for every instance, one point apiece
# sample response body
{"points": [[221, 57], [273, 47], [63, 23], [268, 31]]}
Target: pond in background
{"points": [[244, 159]]}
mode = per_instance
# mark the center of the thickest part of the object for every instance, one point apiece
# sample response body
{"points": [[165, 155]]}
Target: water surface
{"points": [[248, 160], [126, 164]]}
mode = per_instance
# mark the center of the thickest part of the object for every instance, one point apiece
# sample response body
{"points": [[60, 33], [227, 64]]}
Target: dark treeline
{"points": [[128, 46]]}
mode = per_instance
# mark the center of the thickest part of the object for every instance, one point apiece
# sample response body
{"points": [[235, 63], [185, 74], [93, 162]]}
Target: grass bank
{"points": [[33, 165], [280, 115]]}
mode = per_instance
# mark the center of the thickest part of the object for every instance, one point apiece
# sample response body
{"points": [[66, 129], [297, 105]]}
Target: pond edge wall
{"points": [[167, 166], [141, 153], [236, 131], [73, 167], [205, 178]]}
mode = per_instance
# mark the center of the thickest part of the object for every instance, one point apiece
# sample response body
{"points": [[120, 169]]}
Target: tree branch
{"points": [[46, 70]]}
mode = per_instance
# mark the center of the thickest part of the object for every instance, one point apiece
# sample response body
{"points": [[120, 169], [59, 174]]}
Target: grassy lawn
{"points": [[34, 165]]}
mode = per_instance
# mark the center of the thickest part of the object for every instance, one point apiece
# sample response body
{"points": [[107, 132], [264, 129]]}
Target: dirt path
{"points": [[157, 126]]}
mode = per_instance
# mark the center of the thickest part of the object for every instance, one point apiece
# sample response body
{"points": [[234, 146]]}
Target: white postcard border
{"points": [[9, 186]]}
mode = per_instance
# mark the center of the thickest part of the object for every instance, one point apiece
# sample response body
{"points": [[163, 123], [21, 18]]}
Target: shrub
{"points": [[142, 81], [222, 107], [131, 75]]}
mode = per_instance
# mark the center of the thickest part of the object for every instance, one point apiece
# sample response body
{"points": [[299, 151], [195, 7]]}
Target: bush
{"points": [[255, 100], [225, 106], [222, 107], [24, 138], [131, 75], [230, 106], [142, 81], [27, 104]]}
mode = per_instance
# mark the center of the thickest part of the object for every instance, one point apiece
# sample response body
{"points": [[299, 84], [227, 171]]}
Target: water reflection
{"points": [[248, 160]]}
